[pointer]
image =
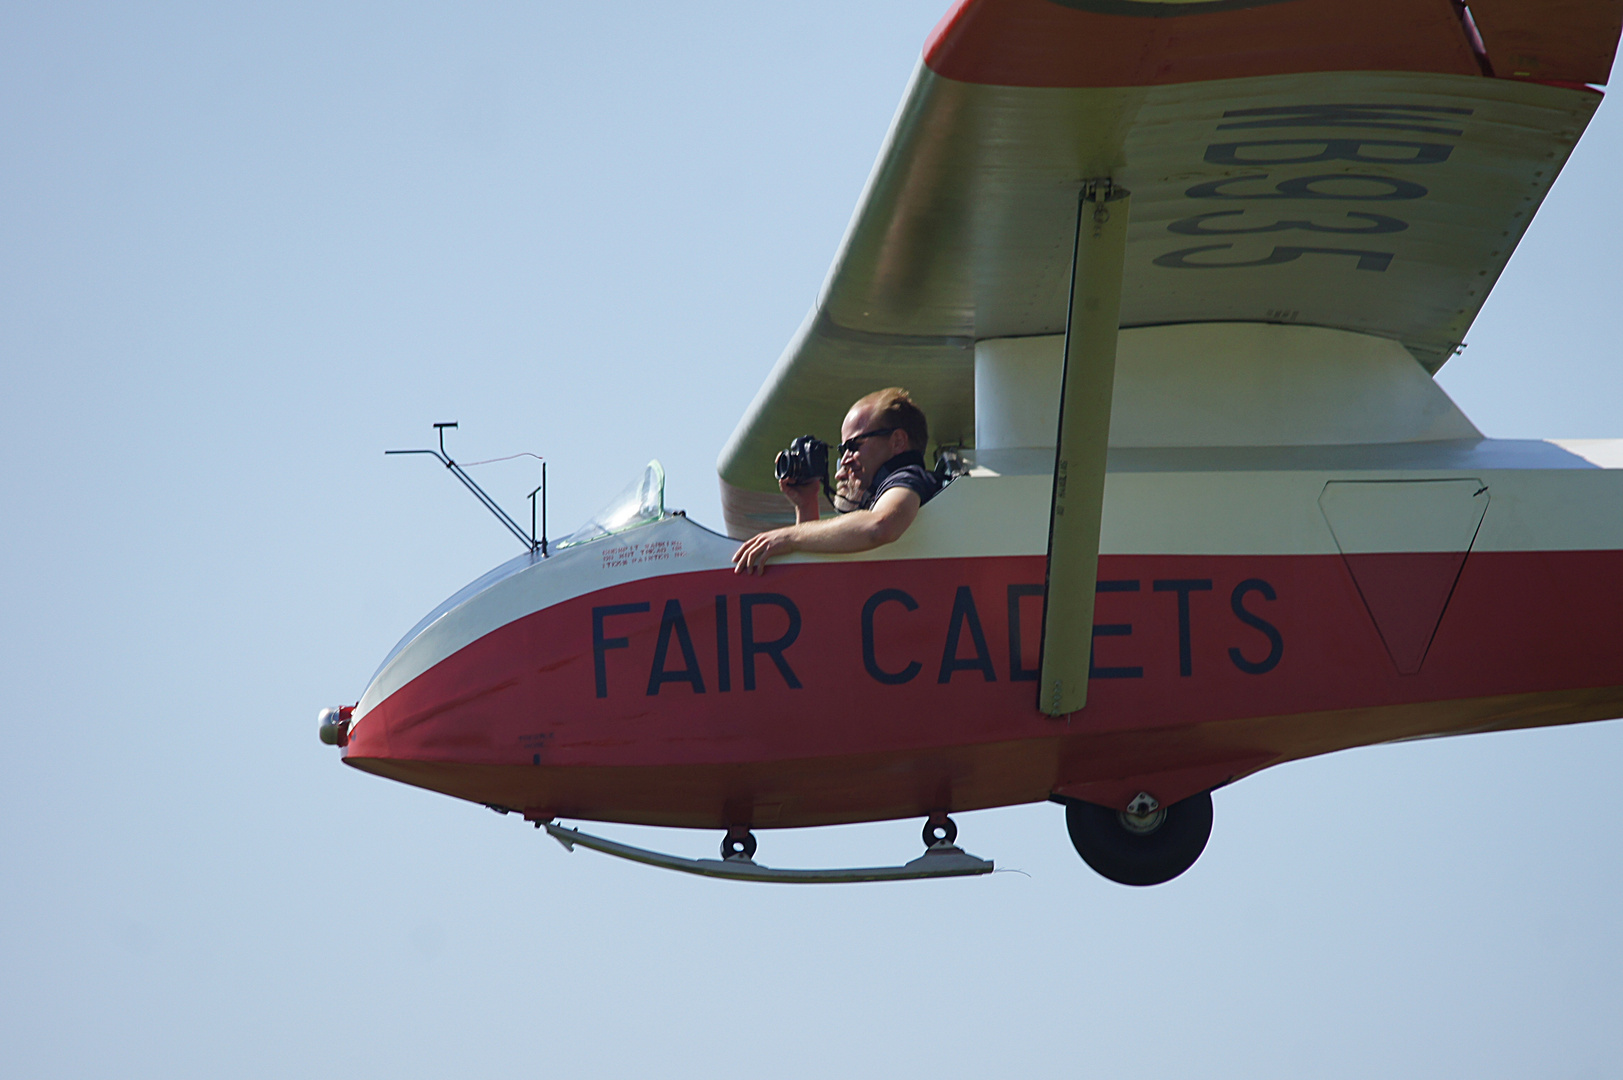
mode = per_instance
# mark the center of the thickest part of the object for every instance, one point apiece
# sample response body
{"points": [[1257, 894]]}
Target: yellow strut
{"points": [[1084, 438]]}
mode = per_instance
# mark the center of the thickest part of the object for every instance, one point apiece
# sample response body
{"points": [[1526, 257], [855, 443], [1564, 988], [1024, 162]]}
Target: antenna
{"points": [[530, 541], [542, 543]]}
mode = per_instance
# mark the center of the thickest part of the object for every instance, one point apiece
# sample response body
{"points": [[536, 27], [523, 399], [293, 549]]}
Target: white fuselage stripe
{"points": [[1151, 508]]}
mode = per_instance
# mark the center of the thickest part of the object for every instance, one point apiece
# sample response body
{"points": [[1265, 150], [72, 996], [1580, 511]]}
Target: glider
{"points": [[1171, 279]]}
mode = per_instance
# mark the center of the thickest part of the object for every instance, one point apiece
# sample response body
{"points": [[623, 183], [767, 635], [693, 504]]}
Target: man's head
{"points": [[878, 427]]}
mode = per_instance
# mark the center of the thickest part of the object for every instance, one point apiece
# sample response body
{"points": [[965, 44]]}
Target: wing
{"points": [[1366, 167]]}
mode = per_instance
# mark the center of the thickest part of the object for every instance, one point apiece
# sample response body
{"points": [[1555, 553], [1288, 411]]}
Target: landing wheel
{"points": [[940, 830], [738, 844], [1145, 844]]}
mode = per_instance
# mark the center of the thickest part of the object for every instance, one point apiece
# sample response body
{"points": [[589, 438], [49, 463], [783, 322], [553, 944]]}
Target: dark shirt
{"points": [[905, 470]]}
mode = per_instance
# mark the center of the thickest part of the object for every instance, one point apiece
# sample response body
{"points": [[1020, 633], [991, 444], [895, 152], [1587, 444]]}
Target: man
{"points": [[881, 471]]}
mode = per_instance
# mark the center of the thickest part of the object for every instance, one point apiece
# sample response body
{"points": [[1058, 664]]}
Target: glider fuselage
{"points": [[1255, 605]]}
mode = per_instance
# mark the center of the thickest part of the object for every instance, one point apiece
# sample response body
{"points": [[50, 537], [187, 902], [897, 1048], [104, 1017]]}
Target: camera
{"points": [[805, 460]]}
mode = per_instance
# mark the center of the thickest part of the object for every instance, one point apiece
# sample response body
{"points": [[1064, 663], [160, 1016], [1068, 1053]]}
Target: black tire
{"points": [[940, 832], [736, 844], [1105, 843]]}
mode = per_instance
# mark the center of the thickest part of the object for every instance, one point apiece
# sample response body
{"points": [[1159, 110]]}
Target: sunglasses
{"points": [[851, 445]]}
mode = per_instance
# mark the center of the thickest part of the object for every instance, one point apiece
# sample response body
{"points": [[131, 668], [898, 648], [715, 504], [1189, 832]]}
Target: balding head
{"points": [[893, 407]]}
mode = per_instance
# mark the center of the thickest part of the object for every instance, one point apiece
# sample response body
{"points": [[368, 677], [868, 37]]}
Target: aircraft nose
{"points": [[333, 724]]}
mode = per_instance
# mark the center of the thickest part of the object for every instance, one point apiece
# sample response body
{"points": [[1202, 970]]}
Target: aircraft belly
{"points": [[1105, 768], [842, 688]]}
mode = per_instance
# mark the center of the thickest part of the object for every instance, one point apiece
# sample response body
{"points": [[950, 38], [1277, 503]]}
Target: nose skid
{"points": [[938, 860]]}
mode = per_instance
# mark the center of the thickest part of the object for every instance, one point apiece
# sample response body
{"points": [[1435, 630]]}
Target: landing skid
{"points": [[939, 860]]}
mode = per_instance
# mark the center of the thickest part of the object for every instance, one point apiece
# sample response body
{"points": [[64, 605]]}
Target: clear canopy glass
{"points": [[641, 503]]}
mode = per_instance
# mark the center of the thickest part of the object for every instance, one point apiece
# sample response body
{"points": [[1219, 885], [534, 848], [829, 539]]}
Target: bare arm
{"points": [[803, 497], [860, 530]]}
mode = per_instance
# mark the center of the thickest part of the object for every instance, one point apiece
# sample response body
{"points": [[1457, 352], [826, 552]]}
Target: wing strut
{"points": [[1079, 454]]}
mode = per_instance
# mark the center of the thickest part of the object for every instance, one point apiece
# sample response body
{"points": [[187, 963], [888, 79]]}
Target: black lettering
{"points": [[1424, 118], [1425, 153], [870, 659], [963, 612], [1183, 587], [749, 647], [671, 620], [1195, 226], [601, 645], [1018, 672], [1276, 643], [724, 666], [1377, 261], [1302, 188], [1113, 630]]}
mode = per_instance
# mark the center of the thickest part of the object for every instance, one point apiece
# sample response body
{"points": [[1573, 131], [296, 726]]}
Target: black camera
{"points": [[805, 460]]}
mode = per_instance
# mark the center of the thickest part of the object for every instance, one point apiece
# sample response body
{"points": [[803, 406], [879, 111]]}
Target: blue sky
{"points": [[247, 249]]}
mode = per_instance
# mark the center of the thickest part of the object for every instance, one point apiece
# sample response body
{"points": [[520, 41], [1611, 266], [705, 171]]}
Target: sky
{"points": [[244, 249]]}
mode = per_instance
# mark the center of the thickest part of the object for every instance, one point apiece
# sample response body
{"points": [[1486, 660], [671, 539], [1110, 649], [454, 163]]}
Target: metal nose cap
{"points": [[333, 724]]}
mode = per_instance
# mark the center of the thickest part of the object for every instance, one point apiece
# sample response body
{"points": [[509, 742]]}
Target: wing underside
{"points": [[1356, 167]]}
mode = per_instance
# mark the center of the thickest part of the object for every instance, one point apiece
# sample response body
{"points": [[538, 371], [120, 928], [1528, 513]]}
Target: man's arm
{"points": [[860, 530], [803, 497]]}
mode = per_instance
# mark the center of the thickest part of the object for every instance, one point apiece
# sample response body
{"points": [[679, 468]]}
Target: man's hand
{"points": [[847, 492], [803, 497], [847, 487], [752, 554]]}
